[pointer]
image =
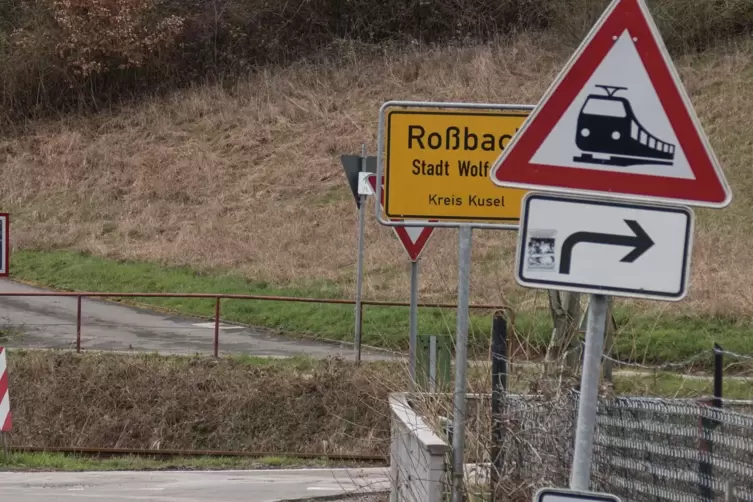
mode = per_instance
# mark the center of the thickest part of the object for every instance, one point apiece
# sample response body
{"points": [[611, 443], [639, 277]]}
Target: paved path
{"points": [[189, 486], [50, 322]]}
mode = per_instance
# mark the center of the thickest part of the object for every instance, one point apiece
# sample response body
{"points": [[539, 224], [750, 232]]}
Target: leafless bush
{"points": [[150, 45], [99, 36], [536, 430]]}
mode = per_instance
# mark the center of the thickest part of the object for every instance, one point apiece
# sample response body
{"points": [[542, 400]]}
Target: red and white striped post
{"points": [[5, 417]]}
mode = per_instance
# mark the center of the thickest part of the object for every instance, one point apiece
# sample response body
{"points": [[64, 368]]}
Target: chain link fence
{"points": [[645, 449]]}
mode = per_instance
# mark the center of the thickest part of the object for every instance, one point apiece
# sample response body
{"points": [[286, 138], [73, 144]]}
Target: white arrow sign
{"points": [[604, 247]]}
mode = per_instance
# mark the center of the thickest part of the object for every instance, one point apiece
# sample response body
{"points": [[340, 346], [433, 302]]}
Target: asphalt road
{"points": [[50, 322], [189, 486]]}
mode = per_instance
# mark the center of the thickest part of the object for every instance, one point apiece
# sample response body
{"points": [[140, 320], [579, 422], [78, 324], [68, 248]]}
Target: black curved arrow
{"points": [[640, 242]]}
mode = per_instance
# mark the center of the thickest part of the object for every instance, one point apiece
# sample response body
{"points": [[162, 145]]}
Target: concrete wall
{"points": [[417, 456]]}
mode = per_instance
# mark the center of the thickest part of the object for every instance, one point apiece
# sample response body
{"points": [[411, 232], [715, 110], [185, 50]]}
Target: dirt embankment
{"points": [[147, 401]]}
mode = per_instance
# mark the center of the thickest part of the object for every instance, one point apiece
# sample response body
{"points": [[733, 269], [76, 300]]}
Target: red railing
{"points": [[218, 299]]}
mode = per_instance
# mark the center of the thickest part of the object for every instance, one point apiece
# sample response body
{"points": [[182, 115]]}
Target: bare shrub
{"points": [[98, 36], [148, 45]]}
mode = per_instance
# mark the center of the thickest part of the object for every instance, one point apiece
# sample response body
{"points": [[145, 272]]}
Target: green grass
{"points": [[663, 384], [680, 337], [383, 326], [8, 333], [642, 337], [36, 461]]}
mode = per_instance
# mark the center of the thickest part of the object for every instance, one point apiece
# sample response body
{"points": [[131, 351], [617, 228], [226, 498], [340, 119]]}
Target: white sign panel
{"points": [[605, 247], [561, 495]]}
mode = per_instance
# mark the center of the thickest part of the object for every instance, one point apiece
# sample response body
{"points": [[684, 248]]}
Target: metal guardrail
{"points": [[218, 297]]}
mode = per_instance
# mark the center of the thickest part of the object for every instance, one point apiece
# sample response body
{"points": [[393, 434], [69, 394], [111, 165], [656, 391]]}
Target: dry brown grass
{"points": [[63, 399], [248, 176], [106, 400]]}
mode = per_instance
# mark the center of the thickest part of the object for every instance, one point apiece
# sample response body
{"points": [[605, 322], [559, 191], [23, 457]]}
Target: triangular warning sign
{"points": [[413, 239], [617, 121]]}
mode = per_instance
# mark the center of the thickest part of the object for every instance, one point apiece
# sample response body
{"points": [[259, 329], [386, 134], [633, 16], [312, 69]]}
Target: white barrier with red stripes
{"points": [[5, 418]]}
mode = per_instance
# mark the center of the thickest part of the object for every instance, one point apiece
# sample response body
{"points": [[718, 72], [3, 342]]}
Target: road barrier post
{"points": [[6, 420]]}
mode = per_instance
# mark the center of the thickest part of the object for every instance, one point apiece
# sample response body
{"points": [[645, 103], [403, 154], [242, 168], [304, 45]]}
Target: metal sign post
{"points": [[359, 273], [414, 240], [580, 477], [413, 321], [461, 360], [355, 167]]}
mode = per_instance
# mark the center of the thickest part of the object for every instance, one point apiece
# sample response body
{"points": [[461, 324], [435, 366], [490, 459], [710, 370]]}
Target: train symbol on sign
{"points": [[608, 125]]}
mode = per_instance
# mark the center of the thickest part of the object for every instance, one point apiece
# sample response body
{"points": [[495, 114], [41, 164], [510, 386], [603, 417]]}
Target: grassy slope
{"points": [[246, 179]]}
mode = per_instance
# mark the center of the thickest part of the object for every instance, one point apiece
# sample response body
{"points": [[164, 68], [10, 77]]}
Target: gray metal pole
{"points": [[580, 478], [461, 360], [413, 342], [359, 278]]}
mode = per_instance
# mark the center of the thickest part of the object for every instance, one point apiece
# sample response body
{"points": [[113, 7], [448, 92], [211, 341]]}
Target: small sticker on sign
{"points": [[364, 188], [540, 252]]}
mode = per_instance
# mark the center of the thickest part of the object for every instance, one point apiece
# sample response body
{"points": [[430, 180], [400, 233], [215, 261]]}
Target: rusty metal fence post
{"points": [[78, 324], [217, 327]]}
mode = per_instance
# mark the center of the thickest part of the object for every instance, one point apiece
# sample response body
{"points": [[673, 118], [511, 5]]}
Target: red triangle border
{"points": [[414, 250]]}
